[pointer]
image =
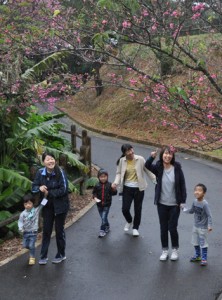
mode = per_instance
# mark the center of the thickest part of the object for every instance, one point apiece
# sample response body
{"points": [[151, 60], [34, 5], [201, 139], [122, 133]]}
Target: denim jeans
{"points": [[168, 217], [131, 194], [29, 239], [49, 218], [103, 212]]}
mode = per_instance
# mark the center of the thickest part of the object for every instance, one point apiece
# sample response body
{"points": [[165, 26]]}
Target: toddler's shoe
{"points": [[195, 259], [31, 261]]}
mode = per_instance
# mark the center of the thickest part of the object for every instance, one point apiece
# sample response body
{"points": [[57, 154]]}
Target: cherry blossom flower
{"points": [[195, 16]]}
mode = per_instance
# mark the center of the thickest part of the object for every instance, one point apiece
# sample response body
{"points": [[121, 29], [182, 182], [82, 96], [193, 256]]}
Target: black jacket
{"points": [[57, 189], [104, 192], [180, 186]]}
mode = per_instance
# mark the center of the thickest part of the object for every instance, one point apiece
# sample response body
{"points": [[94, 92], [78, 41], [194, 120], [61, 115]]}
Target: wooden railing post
{"points": [[84, 137], [63, 160], [73, 138], [88, 154]]}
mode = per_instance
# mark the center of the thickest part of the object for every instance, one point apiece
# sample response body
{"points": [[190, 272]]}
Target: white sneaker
{"points": [[136, 232], [164, 255], [174, 254], [127, 226]]}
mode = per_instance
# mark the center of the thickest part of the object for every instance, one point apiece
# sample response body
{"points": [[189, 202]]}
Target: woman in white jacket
{"points": [[130, 177]]}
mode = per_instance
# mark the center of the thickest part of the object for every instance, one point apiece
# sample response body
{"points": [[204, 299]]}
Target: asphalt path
{"points": [[120, 266]]}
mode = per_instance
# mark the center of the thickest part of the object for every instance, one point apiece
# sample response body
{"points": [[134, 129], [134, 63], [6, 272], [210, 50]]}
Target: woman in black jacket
{"points": [[52, 184], [170, 192]]}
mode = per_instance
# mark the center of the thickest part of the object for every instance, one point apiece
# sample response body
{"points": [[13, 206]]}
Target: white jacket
{"points": [[140, 172]]}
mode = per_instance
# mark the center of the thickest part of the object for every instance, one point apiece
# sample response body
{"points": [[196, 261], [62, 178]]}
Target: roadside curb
{"points": [[139, 141]]}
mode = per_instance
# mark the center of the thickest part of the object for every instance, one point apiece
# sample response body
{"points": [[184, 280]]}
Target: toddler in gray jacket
{"points": [[28, 224]]}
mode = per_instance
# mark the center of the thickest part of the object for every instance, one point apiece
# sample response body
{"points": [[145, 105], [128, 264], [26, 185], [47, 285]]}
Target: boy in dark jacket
{"points": [[102, 194]]}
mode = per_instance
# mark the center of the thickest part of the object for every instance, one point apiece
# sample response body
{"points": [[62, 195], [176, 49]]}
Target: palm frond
{"points": [[15, 179], [47, 63]]}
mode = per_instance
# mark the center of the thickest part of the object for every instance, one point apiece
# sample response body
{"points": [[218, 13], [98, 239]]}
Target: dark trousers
{"points": [[129, 195], [168, 217], [48, 220]]}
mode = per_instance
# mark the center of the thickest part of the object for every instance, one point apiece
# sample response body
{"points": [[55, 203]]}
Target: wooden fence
{"points": [[84, 153]]}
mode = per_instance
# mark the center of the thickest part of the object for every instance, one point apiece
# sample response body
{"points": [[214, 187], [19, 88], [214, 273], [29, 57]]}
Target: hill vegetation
{"points": [[122, 111]]}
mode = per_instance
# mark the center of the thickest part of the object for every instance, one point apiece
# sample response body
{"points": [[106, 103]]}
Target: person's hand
{"points": [[182, 206], [210, 229], [43, 189], [114, 186], [153, 154]]}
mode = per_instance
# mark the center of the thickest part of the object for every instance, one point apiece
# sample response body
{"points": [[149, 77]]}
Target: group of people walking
{"points": [[130, 181], [170, 198]]}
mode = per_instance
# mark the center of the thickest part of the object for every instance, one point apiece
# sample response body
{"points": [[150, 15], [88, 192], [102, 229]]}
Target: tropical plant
{"points": [[22, 156]]}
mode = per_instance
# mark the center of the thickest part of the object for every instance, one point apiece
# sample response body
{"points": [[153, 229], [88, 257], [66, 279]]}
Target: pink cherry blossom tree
{"points": [[168, 51]]}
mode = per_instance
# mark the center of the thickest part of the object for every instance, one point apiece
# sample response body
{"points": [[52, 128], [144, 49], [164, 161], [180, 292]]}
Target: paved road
{"points": [[120, 267]]}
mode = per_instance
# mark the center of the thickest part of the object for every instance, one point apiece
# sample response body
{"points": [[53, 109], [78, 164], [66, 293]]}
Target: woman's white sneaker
{"points": [[127, 227], [136, 232], [164, 255], [174, 254]]}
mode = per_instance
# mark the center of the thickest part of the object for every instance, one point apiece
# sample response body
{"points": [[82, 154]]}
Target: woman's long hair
{"points": [[124, 148]]}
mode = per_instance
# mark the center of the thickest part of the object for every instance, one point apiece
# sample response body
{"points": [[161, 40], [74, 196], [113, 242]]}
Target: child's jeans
{"points": [[103, 212], [29, 239]]}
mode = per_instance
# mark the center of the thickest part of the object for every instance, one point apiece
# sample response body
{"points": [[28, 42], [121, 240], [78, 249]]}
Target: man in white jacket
{"points": [[130, 177]]}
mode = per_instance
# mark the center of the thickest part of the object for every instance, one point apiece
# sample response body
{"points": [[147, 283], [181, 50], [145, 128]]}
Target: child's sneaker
{"points": [[43, 261], [58, 260], [195, 259], [107, 229], [203, 262], [101, 234], [31, 261]]}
